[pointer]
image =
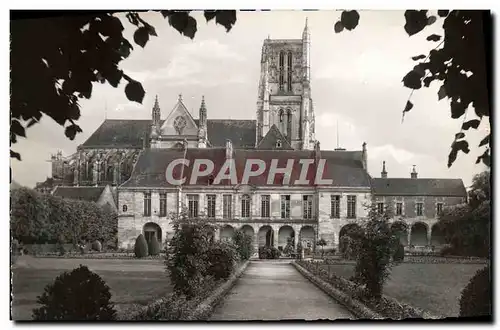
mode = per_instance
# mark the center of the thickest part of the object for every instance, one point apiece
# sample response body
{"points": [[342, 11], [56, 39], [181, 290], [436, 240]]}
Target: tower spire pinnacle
{"points": [[384, 172]]}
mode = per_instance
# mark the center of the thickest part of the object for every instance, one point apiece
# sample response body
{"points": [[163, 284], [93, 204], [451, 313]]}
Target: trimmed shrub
{"points": [[97, 246], [299, 250], [187, 263], [141, 247], [289, 249], [399, 253], [243, 244], [476, 296], [221, 257], [79, 295], [154, 247], [269, 252]]}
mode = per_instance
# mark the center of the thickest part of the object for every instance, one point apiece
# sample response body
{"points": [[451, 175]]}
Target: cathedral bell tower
{"points": [[202, 125], [284, 94], [155, 120]]}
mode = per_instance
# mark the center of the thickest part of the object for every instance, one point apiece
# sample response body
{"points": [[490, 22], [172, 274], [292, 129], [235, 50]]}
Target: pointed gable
{"points": [[179, 122], [274, 140]]}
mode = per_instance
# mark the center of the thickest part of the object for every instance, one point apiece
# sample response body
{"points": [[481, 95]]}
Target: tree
{"points": [[243, 243], [376, 244], [55, 62], [187, 262], [461, 61], [480, 189], [321, 243]]}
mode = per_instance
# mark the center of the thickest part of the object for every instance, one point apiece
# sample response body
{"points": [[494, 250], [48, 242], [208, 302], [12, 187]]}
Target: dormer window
{"points": [[278, 144]]}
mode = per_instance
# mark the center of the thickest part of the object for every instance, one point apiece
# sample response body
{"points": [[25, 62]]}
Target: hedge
{"points": [[39, 218]]}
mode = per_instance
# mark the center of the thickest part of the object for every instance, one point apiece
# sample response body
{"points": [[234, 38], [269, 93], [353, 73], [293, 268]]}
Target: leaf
{"points": [[431, 20], [443, 13], [434, 37], [460, 135], [485, 141], [182, 22], [226, 18], [209, 14], [125, 48], [338, 27], [141, 36], [416, 21], [457, 109], [474, 123], [32, 122], [408, 106], [71, 131], [418, 57], [349, 19], [17, 128], [441, 92], [16, 155], [485, 157], [134, 91], [427, 80], [413, 80], [455, 148]]}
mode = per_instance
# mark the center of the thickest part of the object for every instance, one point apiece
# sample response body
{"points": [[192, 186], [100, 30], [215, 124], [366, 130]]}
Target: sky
{"points": [[355, 81]]}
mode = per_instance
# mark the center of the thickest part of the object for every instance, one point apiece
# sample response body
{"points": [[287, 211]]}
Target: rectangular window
{"points": [[163, 204], [285, 206], [193, 206], [147, 204], [399, 208], [380, 208], [245, 206], [351, 207], [420, 209], [307, 206], [265, 207], [439, 208], [227, 201], [211, 206], [335, 207]]}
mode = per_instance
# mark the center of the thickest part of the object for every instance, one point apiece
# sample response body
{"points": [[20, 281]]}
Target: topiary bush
{"points": [[78, 295], [399, 253], [299, 250], [141, 247], [221, 258], [97, 246], [154, 247], [476, 296]]}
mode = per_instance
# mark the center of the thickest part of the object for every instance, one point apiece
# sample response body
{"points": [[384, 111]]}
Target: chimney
{"points": [[229, 149], [414, 173], [384, 172], [365, 157]]}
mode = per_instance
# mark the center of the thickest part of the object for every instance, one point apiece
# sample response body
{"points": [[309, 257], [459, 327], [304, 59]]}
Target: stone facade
{"points": [[132, 156]]}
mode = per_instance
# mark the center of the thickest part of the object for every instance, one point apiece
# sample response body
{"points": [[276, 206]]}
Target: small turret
{"points": [[414, 173], [384, 172]]}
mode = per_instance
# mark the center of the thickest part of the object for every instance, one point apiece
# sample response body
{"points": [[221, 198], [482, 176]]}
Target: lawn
{"points": [[131, 281], [432, 287]]}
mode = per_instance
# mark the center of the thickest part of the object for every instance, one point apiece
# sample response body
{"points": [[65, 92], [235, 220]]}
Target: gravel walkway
{"points": [[277, 291]]}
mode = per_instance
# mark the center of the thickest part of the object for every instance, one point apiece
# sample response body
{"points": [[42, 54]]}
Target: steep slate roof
{"points": [[418, 187], [343, 167], [129, 133], [272, 136], [90, 194]]}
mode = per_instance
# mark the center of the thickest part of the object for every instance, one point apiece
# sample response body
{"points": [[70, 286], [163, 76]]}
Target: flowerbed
{"points": [[417, 260], [97, 255], [387, 307], [176, 308]]}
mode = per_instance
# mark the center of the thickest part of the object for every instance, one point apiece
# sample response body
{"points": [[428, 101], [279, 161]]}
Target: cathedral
{"points": [[131, 157]]}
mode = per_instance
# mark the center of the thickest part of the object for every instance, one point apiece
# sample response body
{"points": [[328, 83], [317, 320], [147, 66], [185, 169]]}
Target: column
{"points": [[275, 237], [256, 244], [429, 234], [409, 236]]}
